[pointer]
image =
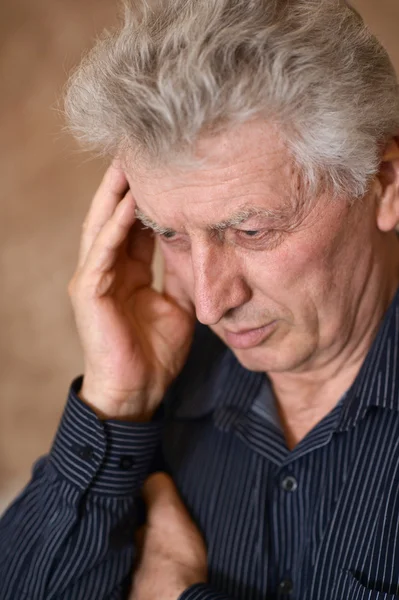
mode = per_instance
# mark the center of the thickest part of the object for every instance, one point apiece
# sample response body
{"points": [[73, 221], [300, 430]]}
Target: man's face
{"points": [[276, 275]]}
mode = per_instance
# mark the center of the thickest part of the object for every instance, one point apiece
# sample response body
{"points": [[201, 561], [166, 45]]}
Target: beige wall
{"points": [[45, 190]]}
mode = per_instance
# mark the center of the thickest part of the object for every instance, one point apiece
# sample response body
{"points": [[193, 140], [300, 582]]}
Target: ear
{"points": [[387, 188]]}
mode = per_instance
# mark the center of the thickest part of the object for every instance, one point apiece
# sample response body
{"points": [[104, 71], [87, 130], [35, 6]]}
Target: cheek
{"points": [[180, 264], [289, 266]]}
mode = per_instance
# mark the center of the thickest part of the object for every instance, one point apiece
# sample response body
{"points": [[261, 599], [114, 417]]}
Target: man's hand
{"points": [[173, 554], [135, 340]]}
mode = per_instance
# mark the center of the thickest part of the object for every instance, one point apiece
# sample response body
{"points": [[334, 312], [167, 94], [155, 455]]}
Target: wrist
{"points": [[135, 408]]}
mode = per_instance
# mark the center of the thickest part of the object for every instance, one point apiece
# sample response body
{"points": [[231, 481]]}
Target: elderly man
{"points": [[257, 139]]}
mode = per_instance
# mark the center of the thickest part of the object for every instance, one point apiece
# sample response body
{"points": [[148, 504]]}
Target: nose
{"points": [[219, 285]]}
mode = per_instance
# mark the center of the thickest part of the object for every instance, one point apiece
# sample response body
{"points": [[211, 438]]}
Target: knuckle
{"points": [[87, 286]]}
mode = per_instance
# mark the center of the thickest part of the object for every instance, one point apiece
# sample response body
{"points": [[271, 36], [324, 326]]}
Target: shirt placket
{"points": [[287, 518]]}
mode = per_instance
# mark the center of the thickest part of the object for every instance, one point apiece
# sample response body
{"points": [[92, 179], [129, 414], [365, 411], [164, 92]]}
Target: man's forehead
{"points": [[246, 176], [238, 152]]}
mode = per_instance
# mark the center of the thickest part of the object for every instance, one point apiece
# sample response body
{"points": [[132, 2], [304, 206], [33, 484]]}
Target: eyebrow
{"points": [[147, 222], [237, 219], [247, 213]]}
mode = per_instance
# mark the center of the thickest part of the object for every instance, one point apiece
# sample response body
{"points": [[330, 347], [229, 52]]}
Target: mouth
{"points": [[248, 338]]}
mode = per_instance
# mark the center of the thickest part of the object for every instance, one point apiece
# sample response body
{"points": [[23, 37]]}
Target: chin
{"points": [[257, 359], [278, 358]]}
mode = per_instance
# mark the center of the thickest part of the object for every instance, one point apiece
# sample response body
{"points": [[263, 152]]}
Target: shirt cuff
{"points": [[106, 457], [202, 591]]}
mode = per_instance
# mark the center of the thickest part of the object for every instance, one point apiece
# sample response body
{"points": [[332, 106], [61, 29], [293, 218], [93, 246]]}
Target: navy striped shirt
{"points": [[319, 522]]}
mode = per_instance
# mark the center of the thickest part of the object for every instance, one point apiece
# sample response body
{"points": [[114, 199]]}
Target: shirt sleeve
{"points": [[70, 532], [202, 591]]}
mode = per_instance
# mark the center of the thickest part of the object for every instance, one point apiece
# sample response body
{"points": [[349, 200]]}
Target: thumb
{"points": [[159, 492], [169, 524]]}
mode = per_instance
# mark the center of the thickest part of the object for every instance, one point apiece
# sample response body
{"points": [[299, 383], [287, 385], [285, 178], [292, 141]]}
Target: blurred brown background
{"points": [[46, 186]]}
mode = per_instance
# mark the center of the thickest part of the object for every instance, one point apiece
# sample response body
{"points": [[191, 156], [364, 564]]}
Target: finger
{"points": [[106, 247], [159, 489], [110, 192], [165, 508]]}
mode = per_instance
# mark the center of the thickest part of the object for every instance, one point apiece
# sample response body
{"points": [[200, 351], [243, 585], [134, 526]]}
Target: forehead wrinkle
{"points": [[211, 175], [255, 175]]}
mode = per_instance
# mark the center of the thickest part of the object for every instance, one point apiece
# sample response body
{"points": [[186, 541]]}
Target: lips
{"points": [[248, 338]]}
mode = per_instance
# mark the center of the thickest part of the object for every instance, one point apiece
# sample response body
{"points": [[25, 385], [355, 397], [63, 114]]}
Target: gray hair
{"points": [[176, 70]]}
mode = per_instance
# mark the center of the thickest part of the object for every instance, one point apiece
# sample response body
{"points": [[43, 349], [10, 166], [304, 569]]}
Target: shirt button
{"points": [[285, 586], [289, 484], [84, 452], [126, 463]]}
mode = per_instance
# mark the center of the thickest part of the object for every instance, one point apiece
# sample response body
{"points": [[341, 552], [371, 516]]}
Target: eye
{"points": [[168, 235], [176, 242], [257, 238], [251, 233]]}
